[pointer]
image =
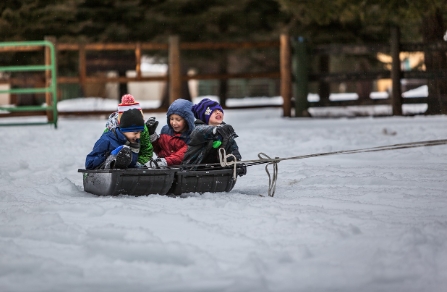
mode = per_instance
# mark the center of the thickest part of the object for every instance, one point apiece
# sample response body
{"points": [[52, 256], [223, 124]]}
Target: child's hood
{"points": [[182, 107]]}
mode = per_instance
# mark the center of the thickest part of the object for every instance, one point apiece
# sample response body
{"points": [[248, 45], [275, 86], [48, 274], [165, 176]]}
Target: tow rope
{"points": [[263, 158]]}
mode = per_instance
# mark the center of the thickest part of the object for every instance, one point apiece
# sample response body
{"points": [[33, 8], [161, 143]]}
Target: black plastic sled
{"points": [[169, 181]]}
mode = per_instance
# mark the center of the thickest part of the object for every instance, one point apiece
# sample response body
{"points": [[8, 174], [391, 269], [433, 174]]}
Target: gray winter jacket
{"points": [[200, 147]]}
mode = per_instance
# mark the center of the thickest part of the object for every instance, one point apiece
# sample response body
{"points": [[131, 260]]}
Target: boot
{"points": [[120, 160]]}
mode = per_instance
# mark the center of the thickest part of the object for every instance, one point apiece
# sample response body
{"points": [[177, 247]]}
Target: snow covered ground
{"points": [[357, 222]]}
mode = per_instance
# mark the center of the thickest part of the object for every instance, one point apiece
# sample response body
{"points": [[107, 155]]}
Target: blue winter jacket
{"points": [[106, 144]]}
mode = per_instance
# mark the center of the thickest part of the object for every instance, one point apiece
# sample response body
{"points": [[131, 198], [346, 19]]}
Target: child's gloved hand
{"points": [[135, 147], [226, 132], [159, 162], [117, 149], [152, 125]]}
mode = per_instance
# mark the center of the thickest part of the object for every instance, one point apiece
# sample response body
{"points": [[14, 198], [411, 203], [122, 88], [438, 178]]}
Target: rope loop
{"points": [[272, 179], [224, 162]]}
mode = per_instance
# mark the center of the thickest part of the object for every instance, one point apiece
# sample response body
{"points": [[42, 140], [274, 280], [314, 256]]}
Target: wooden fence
{"points": [[294, 72], [303, 76], [174, 48]]}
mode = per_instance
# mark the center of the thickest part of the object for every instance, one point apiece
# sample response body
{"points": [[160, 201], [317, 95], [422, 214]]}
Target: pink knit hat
{"points": [[128, 102]]}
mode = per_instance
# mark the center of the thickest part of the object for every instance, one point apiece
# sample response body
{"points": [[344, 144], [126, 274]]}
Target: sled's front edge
{"points": [[135, 182]]}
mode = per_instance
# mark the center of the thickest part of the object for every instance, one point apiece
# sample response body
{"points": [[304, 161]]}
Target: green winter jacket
{"points": [[146, 148]]}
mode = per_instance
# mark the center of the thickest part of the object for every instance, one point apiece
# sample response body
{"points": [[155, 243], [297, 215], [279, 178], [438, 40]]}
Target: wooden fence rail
{"points": [[174, 48], [394, 48], [294, 78]]}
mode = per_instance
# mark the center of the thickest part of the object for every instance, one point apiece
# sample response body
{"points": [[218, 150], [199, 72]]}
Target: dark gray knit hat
{"points": [[132, 121]]}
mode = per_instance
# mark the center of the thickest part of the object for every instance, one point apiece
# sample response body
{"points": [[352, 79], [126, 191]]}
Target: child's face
{"points": [[177, 123], [216, 118], [132, 137]]}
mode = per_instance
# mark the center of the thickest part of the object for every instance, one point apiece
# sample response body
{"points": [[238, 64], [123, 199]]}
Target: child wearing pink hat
{"points": [[119, 147], [128, 102]]}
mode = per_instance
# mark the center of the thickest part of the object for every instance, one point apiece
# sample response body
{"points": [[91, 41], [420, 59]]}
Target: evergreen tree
{"points": [[33, 20], [370, 20]]}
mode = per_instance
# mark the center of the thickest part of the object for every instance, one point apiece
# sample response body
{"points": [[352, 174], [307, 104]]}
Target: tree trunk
{"points": [[324, 89], [433, 31], [186, 94], [122, 86], [364, 87]]}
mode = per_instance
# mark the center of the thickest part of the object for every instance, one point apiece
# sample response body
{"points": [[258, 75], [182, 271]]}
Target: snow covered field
{"points": [[358, 222]]}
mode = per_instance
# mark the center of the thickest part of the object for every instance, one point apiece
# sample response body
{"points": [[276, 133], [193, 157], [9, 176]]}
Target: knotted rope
{"points": [[224, 162], [263, 158]]}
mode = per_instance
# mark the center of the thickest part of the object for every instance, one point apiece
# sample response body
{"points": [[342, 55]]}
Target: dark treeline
{"points": [[216, 20]]}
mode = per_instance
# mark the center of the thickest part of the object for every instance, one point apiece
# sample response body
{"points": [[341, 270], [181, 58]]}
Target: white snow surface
{"points": [[358, 222]]}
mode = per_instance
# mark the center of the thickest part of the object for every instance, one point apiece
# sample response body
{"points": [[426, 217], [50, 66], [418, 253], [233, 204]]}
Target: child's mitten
{"points": [[226, 131], [152, 125]]}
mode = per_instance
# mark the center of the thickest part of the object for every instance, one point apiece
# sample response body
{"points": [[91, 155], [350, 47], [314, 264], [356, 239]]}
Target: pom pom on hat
{"points": [[132, 121], [127, 99], [205, 108], [128, 102]]}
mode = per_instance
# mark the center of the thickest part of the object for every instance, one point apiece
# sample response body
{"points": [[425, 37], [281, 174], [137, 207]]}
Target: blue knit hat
{"points": [[205, 108], [132, 121]]}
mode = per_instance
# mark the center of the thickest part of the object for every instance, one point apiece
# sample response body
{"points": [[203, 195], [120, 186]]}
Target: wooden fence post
{"points": [[138, 60], [323, 87], [285, 73], [175, 73], [396, 74], [301, 71], [48, 77], [82, 68]]}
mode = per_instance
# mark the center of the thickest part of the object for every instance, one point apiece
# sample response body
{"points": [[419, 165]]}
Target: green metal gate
{"points": [[50, 83]]}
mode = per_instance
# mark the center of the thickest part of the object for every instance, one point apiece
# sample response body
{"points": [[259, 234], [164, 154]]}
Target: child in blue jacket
{"points": [[119, 147], [128, 102]]}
